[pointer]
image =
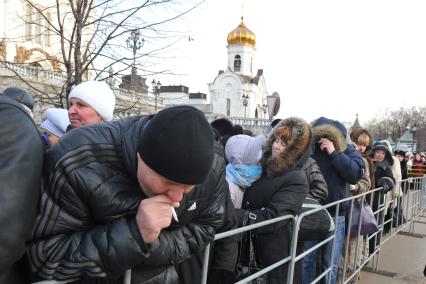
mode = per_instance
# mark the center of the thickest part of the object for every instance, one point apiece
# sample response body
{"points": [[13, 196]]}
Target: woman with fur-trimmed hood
{"points": [[382, 170], [280, 191]]}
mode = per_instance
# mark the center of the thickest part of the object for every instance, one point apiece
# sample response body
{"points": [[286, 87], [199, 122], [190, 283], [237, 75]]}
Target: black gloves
{"points": [[387, 183]]}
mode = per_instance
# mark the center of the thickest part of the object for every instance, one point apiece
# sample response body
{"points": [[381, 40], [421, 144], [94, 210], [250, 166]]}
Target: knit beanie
{"points": [[20, 95], [223, 125], [177, 143], [98, 95], [56, 121]]}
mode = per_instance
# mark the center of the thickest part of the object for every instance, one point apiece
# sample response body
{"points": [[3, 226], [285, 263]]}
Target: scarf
{"points": [[243, 175]]}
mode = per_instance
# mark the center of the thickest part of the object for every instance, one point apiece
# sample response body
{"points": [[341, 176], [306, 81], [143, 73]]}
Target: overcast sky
{"points": [[324, 58]]}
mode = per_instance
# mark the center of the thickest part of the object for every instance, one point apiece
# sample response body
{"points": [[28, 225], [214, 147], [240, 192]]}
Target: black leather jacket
{"points": [[317, 186], [87, 227], [21, 152]]}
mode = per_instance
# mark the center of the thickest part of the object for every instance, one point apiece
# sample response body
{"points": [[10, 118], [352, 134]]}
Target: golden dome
{"points": [[242, 35]]}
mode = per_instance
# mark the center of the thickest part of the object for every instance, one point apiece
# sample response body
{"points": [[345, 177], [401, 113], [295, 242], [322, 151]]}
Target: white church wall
{"points": [[247, 54]]}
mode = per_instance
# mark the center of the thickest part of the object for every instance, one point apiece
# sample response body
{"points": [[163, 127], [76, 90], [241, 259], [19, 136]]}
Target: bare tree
{"points": [[395, 123], [91, 35]]}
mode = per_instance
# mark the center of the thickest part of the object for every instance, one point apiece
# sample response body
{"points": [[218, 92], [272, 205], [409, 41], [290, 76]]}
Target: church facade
{"points": [[240, 90]]}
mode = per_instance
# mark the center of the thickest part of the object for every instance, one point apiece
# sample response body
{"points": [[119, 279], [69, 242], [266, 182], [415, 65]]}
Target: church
{"points": [[240, 90]]}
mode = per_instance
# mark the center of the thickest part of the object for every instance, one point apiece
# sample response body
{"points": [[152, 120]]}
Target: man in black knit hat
{"points": [[110, 192]]}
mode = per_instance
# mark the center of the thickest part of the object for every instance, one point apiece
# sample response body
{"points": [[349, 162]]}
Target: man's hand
{"points": [[326, 145], [154, 214]]}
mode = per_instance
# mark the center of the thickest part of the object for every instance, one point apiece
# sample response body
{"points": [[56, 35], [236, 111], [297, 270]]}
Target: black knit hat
{"points": [[177, 143], [223, 125], [20, 95]]}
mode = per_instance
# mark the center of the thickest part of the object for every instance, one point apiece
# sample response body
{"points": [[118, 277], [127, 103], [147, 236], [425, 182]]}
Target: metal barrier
{"points": [[412, 203]]}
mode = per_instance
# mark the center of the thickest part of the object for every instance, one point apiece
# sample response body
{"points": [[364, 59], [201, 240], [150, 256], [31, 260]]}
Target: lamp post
{"points": [[413, 133], [245, 98], [156, 86], [135, 41], [264, 109]]}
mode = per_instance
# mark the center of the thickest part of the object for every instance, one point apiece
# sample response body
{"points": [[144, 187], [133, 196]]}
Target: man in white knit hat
{"points": [[90, 102]]}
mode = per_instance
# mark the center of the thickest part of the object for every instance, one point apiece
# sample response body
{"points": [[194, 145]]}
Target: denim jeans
{"points": [[309, 263]]}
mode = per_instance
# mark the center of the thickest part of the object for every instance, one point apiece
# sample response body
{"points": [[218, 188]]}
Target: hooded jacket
{"points": [[343, 167], [280, 191], [21, 152], [382, 174], [86, 228]]}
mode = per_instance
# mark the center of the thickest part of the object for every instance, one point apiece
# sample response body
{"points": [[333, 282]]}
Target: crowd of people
{"points": [[148, 193]]}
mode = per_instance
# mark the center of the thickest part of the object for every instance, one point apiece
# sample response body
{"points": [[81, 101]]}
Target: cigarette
{"points": [[174, 215]]}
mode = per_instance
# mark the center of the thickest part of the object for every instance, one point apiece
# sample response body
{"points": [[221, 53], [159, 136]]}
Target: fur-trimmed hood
{"points": [[332, 130], [384, 147], [297, 151]]}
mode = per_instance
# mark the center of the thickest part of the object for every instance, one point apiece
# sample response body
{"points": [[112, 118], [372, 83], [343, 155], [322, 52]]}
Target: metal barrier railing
{"points": [[412, 203]]}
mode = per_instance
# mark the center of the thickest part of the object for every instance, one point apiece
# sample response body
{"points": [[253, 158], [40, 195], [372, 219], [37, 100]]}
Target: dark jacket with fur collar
{"points": [[343, 167], [280, 191]]}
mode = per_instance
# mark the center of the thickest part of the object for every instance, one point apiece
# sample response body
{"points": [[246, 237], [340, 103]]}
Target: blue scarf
{"points": [[243, 175]]}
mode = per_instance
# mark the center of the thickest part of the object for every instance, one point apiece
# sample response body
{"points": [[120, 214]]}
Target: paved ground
{"points": [[404, 255]]}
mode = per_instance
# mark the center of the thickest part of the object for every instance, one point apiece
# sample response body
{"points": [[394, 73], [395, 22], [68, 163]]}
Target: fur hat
{"points": [[56, 121], [177, 143], [98, 95], [244, 150]]}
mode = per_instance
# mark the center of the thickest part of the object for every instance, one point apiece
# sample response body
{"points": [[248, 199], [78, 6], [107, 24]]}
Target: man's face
{"points": [[152, 183], [80, 113]]}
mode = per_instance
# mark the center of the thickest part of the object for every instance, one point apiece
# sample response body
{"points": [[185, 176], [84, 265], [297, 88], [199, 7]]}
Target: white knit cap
{"points": [[56, 121], [98, 95]]}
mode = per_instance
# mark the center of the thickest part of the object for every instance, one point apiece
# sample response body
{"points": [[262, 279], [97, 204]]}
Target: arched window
{"points": [[47, 32], [28, 22], [228, 107], [38, 28], [237, 63]]}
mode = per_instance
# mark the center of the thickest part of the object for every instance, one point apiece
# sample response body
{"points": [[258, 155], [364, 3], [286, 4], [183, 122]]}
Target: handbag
{"points": [[362, 215], [315, 226], [247, 263]]}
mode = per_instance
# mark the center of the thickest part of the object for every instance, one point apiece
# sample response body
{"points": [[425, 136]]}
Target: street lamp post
{"points": [[156, 86], [135, 41], [245, 98], [413, 133], [264, 109]]}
